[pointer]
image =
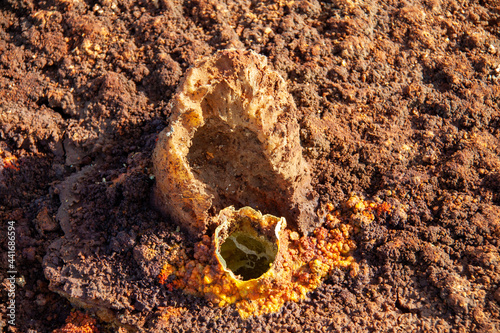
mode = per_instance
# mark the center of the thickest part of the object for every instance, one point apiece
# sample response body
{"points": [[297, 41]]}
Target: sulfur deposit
{"points": [[297, 264], [231, 152], [233, 140], [271, 266], [78, 322]]}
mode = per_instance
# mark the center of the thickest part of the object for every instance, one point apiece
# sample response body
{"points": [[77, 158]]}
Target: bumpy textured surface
{"points": [[233, 140], [396, 100], [297, 264], [78, 322]]}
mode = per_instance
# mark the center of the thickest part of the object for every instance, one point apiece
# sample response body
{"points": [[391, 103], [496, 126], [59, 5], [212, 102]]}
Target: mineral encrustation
{"points": [[233, 140]]}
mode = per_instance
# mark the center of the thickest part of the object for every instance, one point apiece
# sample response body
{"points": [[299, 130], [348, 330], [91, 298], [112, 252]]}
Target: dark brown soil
{"points": [[397, 100]]}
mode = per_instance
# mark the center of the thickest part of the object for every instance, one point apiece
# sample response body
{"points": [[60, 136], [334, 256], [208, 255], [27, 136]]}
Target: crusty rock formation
{"points": [[233, 140]]}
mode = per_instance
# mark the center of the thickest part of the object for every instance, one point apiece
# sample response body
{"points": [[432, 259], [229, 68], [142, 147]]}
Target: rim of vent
{"points": [[247, 220]]}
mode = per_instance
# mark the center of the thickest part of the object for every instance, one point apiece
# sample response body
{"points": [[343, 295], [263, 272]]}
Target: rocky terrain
{"points": [[397, 102]]}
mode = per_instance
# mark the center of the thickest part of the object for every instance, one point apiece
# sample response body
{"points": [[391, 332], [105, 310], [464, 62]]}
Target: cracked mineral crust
{"points": [[233, 140]]}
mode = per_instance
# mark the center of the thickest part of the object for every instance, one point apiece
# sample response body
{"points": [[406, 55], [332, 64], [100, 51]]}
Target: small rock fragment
{"points": [[496, 295], [45, 222]]}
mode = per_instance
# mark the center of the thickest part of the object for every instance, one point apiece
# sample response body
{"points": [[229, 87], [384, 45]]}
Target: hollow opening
{"points": [[247, 255], [232, 164]]}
